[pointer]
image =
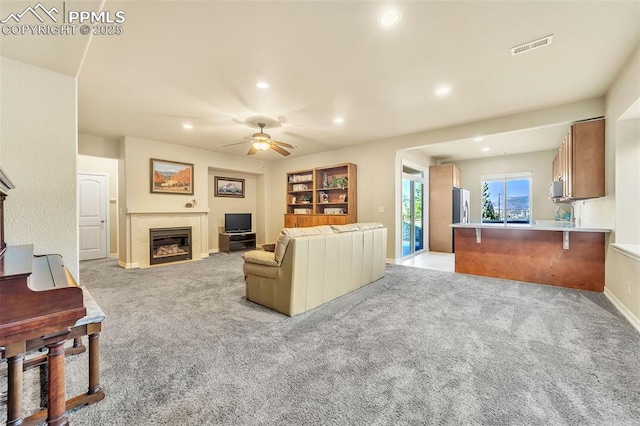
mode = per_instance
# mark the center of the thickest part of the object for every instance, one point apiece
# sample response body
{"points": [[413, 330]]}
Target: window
{"points": [[506, 198]]}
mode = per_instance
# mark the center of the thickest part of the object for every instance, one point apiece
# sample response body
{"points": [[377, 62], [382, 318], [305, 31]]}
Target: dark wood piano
{"points": [[39, 304]]}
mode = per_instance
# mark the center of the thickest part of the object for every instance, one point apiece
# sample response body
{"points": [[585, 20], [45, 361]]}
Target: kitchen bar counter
{"points": [[557, 226], [573, 258]]}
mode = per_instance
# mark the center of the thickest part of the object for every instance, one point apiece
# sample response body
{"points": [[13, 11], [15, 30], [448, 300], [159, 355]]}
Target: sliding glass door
{"points": [[412, 212]]}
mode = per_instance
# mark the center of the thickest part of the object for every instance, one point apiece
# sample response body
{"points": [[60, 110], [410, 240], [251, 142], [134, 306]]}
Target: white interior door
{"points": [[92, 213]]}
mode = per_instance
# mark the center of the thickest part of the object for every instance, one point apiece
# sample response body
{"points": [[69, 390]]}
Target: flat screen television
{"points": [[237, 222]]}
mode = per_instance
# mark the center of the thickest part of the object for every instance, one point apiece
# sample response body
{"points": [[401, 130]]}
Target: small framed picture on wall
{"points": [[229, 187]]}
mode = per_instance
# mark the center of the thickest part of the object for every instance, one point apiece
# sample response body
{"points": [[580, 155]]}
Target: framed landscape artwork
{"points": [[171, 177], [229, 187]]}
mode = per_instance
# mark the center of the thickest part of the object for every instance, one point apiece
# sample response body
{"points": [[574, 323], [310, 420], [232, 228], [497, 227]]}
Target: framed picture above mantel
{"points": [[171, 177], [229, 187]]}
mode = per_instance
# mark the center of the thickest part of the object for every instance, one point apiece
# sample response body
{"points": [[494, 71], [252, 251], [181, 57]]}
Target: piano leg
{"points": [[94, 364], [57, 400], [14, 394]]}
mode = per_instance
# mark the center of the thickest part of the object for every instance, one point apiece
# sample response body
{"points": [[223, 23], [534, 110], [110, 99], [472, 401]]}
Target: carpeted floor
{"points": [[181, 345]]}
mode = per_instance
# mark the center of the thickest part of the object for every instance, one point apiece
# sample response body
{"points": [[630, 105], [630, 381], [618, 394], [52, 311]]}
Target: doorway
{"points": [[413, 232], [93, 227]]}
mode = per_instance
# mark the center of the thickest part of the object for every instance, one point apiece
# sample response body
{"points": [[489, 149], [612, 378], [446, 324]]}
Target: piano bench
{"points": [[90, 325]]}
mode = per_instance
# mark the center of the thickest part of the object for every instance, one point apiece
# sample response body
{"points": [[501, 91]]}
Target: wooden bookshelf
{"points": [[322, 196]]}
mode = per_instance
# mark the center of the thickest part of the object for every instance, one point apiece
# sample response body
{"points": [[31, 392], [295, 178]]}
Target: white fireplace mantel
{"points": [[139, 222], [169, 211]]}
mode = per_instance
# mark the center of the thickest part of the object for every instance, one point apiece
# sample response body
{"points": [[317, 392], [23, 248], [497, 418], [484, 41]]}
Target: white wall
{"points": [[538, 163], [628, 181], [218, 206], [38, 133], [98, 146], [109, 167], [622, 278]]}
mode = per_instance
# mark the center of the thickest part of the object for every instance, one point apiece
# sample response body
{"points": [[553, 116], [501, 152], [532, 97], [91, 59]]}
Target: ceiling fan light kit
{"points": [[262, 141], [261, 145]]}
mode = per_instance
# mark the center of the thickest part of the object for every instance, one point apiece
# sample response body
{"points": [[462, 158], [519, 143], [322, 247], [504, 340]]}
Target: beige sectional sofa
{"points": [[311, 266]]}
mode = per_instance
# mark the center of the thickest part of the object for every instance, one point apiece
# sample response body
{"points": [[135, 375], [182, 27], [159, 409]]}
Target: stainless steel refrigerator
{"points": [[461, 203], [461, 212]]}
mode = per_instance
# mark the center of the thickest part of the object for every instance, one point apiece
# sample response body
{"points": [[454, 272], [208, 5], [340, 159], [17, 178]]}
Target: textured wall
{"points": [[38, 133]]}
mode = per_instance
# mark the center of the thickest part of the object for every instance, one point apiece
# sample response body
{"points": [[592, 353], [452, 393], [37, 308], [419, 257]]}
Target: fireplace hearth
{"points": [[169, 245]]}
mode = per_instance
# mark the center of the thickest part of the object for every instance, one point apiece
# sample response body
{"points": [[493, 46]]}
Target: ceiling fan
{"points": [[262, 141]]}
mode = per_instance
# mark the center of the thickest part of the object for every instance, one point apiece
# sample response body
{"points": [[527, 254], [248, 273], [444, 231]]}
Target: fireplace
{"points": [[169, 245]]}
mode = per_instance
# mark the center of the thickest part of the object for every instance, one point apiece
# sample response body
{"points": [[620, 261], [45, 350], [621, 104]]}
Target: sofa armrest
{"points": [[260, 257]]}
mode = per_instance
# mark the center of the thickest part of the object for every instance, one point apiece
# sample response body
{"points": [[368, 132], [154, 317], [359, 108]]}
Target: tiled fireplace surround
{"points": [[138, 224]]}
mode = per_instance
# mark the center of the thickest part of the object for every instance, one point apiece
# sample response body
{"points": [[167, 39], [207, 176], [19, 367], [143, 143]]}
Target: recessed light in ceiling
{"points": [[187, 126], [389, 18], [485, 149], [262, 85], [338, 120], [442, 90], [477, 139]]}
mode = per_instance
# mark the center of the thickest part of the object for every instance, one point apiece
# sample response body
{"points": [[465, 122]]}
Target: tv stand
{"points": [[229, 242]]}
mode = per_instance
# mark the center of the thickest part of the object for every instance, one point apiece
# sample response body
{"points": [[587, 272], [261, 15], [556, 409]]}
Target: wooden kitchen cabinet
{"points": [[442, 179], [579, 163]]}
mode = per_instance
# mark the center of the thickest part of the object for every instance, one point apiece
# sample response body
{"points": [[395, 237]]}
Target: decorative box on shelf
{"points": [[299, 187], [333, 210], [300, 178], [301, 211]]}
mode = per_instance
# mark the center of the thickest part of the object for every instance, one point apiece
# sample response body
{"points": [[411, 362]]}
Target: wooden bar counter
{"points": [[563, 256]]}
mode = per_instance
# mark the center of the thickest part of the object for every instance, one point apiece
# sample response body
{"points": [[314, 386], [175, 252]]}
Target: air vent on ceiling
{"points": [[535, 44]]}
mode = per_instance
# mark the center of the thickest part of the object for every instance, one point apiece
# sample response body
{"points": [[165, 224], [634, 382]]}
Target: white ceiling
{"points": [[197, 62]]}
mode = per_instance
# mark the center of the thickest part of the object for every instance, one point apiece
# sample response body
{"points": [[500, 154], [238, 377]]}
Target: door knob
{"points": [[102, 221]]}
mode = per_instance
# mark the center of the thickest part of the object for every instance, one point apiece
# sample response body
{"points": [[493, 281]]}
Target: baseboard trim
{"points": [[128, 265], [214, 251], [635, 322]]}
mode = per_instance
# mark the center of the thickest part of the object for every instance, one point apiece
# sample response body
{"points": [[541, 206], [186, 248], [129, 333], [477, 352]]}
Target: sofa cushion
{"points": [[303, 232], [269, 247], [350, 227], [287, 233], [260, 257], [368, 225], [281, 246]]}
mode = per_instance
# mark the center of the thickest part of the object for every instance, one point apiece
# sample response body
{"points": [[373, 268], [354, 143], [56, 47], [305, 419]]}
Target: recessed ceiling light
{"points": [[187, 126], [442, 90], [485, 149], [338, 120], [477, 139], [262, 85], [389, 18]]}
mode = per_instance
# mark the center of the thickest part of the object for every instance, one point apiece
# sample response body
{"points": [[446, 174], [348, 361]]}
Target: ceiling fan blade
{"points": [[286, 145], [232, 144], [279, 150], [252, 150]]}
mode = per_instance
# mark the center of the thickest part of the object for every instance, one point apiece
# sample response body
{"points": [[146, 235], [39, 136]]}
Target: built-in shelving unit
{"points": [[321, 196]]}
